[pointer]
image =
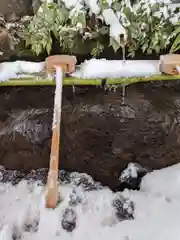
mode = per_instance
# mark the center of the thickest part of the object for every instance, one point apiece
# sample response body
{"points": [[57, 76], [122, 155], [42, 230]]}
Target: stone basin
{"points": [[99, 134]]}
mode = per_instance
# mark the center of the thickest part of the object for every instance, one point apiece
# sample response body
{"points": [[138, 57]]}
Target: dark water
{"points": [[99, 134]]}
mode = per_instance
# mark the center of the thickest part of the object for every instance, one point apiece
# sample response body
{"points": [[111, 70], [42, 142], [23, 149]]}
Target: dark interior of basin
{"points": [[99, 135]]}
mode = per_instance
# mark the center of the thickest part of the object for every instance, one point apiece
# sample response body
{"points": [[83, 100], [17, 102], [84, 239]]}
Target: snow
{"points": [[13, 69], [102, 68], [72, 3], [167, 183], [93, 6], [178, 69], [94, 68], [150, 213]]}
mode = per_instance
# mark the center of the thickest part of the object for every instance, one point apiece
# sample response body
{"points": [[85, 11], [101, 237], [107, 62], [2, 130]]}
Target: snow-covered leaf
{"points": [[116, 6], [149, 25], [80, 19]]}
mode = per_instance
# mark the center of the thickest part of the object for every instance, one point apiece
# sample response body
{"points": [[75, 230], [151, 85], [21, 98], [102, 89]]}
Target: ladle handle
{"points": [[52, 187]]}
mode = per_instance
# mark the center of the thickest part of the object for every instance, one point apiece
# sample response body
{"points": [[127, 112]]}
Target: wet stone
{"points": [[131, 176]]}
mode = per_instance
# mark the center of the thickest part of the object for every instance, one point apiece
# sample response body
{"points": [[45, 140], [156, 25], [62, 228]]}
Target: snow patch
{"points": [[136, 215], [93, 6], [164, 182], [13, 69], [102, 68]]}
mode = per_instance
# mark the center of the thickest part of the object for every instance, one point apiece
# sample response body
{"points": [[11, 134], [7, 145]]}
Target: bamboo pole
{"points": [[52, 186], [37, 81]]}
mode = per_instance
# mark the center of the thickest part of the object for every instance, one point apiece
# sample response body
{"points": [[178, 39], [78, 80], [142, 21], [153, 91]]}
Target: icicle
{"points": [[123, 93], [74, 90]]}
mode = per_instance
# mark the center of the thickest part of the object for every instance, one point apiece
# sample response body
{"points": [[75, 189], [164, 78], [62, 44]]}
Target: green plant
{"points": [[176, 45], [148, 27]]}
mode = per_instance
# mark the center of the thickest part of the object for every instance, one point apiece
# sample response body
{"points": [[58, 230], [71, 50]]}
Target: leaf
{"points": [[79, 19], [127, 12], [94, 35], [97, 49], [44, 43], [48, 48], [104, 30], [149, 51], [116, 6], [37, 49], [155, 7], [131, 54], [157, 49], [145, 33], [82, 19], [144, 47], [103, 4], [176, 45], [62, 15], [176, 31]]}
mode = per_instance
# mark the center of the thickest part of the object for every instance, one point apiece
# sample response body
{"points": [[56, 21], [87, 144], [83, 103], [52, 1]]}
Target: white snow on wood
{"points": [[102, 68], [58, 98], [94, 68], [157, 207], [12, 69]]}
